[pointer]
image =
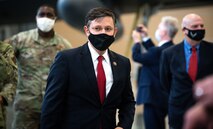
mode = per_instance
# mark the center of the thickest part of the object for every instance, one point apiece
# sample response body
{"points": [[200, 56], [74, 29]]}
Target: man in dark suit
{"points": [[183, 64], [74, 98], [149, 92]]}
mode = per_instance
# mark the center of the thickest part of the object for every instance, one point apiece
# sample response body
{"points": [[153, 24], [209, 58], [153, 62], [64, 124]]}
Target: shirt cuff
{"points": [[145, 39]]}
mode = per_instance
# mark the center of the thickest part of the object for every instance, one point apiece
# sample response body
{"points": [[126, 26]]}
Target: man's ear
{"points": [[115, 31], [86, 30], [56, 18], [184, 30]]}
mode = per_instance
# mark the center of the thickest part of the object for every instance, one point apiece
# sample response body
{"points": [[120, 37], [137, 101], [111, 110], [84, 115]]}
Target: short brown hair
{"points": [[98, 13]]}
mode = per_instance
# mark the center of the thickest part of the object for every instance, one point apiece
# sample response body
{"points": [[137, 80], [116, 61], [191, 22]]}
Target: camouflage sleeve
{"points": [[14, 42], [8, 73], [63, 43], [11, 40]]}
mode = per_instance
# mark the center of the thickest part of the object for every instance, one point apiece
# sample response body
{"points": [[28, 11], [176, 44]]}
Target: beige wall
{"points": [[129, 21], [204, 11], [78, 38], [123, 45]]}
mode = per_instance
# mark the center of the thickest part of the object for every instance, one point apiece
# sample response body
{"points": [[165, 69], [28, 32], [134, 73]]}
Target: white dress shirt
{"points": [[106, 64], [159, 44]]}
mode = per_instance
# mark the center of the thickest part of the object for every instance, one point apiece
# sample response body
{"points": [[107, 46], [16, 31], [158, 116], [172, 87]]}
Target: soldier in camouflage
{"points": [[8, 80], [35, 50]]}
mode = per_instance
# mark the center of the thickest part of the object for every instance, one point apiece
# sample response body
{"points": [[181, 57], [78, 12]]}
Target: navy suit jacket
{"points": [[149, 89], [176, 81], [72, 99]]}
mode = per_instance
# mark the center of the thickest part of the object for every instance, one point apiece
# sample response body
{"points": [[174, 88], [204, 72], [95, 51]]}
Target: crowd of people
{"points": [[169, 72], [54, 86]]}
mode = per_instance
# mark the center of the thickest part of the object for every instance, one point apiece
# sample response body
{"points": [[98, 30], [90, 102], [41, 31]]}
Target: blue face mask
{"points": [[101, 41], [196, 34]]}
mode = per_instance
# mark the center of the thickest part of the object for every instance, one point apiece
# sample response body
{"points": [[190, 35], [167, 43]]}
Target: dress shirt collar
{"points": [[187, 46], [95, 55], [162, 42]]}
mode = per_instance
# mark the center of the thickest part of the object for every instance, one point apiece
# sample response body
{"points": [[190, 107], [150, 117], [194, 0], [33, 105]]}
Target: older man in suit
{"points": [[87, 85], [149, 92], [183, 64]]}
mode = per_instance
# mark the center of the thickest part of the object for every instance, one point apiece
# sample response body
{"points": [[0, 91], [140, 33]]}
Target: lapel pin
{"points": [[114, 63]]}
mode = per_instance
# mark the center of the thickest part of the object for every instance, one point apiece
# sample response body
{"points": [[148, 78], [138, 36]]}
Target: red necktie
{"points": [[101, 79], [193, 63]]}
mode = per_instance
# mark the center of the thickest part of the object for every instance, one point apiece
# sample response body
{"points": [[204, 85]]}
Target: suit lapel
{"points": [[202, 58], [181, 60], [115, 71], [88, 67], [182, 57], [89, 70], [201, 61]]}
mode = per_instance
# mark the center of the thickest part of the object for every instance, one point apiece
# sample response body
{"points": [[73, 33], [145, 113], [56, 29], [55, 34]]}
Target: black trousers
{"points": [[154, 117]]}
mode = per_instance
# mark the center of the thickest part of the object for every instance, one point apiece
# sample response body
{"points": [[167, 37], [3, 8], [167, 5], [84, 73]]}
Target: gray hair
{"points": [[171, 24]]}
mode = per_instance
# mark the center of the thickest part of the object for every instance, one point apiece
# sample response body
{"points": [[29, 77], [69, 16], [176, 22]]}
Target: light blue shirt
{"points": [[188, 52]]}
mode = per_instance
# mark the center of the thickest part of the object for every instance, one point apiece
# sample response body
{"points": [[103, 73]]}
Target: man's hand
{"points": [[143, 30], [195, 118], [136, 36], [200, 115], [139, 33], [203, 88]]}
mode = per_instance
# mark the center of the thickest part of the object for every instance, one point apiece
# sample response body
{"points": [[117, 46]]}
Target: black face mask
{"points": [[101, 41], [196, 34]]}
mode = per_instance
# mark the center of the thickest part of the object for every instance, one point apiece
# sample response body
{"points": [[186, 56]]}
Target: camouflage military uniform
{"points": [[8, 79], [34, 58]]}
